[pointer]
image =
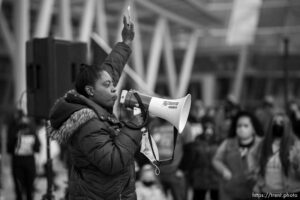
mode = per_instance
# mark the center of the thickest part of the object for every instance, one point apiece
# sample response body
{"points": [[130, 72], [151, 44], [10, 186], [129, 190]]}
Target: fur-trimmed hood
{"points": [[69, 127], [69, 113]]}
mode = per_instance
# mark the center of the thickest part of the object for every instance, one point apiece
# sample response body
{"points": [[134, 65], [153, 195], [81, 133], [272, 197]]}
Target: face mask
{"points": [[148, 183], [278, 130]]}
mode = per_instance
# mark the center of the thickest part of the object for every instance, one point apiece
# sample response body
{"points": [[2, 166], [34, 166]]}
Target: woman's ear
{"points": [[89, 90]]}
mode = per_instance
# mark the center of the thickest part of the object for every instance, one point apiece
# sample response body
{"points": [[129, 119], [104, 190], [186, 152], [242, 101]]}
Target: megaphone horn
{"points": [[175, 111]]}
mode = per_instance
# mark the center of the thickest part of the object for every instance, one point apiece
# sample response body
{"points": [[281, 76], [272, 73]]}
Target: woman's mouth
{"points": [[114, 98]]}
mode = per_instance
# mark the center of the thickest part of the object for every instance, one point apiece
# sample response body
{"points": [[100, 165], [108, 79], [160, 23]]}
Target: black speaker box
{"points": [[98, 53], [51, 69]]}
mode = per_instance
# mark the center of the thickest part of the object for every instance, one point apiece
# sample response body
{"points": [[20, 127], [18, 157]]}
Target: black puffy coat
{"points": [[101, 148]]}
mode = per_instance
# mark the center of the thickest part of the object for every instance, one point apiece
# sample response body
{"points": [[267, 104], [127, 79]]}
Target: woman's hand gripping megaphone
{"points": [[131, 101], [124, 101]]}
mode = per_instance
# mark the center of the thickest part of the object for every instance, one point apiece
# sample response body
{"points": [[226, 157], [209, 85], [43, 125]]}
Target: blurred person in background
{"points": [[101, 147], [294, 115], [148, 187], [195, 116], [224, 116], [235, 158], [171, 176], [197, 111], [265, 111], [22, 144], [197, 162], [279, 159]]}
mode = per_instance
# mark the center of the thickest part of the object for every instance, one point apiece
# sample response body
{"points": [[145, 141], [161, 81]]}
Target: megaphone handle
{"points": [[141, 105]]}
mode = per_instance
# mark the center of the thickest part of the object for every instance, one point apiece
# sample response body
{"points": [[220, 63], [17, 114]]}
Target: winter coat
{"points": [[201, 173], [243, 169], [101, 147]]}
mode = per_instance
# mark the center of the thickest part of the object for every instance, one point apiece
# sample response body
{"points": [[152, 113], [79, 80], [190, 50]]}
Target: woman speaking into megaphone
{"points": [[101, 147]]}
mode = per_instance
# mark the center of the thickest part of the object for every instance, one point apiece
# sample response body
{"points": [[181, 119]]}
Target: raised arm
{"points": [[118, 57], [218, 163]]}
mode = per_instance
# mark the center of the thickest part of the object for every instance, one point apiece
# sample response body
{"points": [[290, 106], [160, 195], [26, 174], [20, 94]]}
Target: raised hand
{"points": [[128, 31]]}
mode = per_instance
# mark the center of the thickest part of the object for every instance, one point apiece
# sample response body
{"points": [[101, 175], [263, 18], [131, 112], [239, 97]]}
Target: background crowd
{"points": [[224, 152]]}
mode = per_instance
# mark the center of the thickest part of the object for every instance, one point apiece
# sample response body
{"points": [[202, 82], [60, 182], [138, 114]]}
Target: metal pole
{"points": [[155, 53], [87, 20], [208, 89], [285, 70], [44, 19], [170, 62], [21, 14], [65, 20], [137, 45], [240, 73], [101, 21], [187, 64], [8, 36], [48, 195]]}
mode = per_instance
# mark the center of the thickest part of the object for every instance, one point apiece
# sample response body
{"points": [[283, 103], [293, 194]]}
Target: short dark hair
{"points": [[88, 74]]}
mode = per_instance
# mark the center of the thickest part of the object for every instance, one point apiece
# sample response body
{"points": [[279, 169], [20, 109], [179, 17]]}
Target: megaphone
{"points": [[175, 111]]}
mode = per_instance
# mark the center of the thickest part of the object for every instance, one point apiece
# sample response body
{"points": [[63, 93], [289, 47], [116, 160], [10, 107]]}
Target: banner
{"points": [[243, 22]]}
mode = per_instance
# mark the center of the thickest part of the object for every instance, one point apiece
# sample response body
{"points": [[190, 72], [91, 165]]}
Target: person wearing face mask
{"points": [[101, 147], [235, 158], [279, 160]]}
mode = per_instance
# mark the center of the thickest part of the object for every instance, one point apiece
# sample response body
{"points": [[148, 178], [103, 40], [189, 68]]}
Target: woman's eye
{"points": [[106, 84]]}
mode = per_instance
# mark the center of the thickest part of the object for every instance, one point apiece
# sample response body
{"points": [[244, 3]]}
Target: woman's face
{"points": [[104, 91], [244, 129]]}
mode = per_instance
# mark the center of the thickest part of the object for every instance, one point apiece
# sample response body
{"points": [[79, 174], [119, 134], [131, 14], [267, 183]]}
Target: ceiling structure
{"points": [[277, 19], [194, 28]]}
